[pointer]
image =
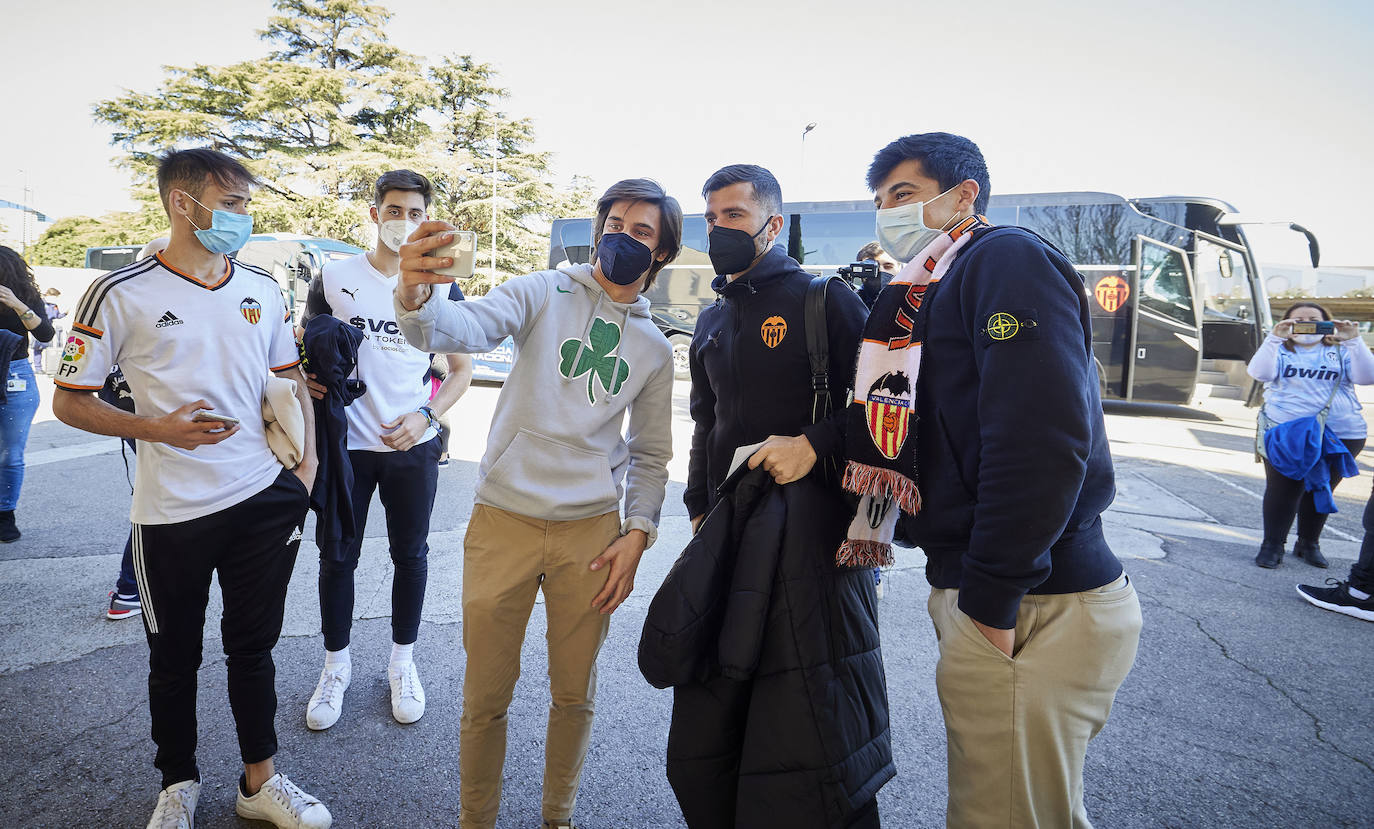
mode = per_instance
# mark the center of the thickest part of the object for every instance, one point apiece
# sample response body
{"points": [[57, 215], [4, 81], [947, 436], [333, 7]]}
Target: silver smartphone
{"points": [[463, 249], [207, 415]]}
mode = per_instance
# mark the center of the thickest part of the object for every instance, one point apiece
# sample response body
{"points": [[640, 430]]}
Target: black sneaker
{"points": [[1338, 599]]}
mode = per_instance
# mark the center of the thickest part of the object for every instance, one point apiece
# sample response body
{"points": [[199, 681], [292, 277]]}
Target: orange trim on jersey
{"points": [[288, 365], [85, 329], [228, 269], [70, 387]]}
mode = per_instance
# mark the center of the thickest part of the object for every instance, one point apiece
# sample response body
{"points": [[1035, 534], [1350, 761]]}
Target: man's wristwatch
{"points": [[430, 419]]}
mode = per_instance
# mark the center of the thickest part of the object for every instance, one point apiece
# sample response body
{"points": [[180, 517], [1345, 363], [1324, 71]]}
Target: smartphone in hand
{"points": [[205, 415], [463, 249]]}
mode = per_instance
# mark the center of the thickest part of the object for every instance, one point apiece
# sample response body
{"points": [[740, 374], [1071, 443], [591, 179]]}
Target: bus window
{"points": [[1164, 283], [828, 240], [1224, 280]]}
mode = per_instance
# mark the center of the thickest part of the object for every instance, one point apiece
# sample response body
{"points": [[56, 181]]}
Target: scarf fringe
{"points": [[862, 479], [859, 553]]}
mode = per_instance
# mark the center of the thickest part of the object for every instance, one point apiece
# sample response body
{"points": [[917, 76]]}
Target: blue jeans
{"points": [[16, 416]]}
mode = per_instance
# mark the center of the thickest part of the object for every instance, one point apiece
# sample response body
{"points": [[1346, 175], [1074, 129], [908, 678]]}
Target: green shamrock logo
{"points": [[596, 361]]}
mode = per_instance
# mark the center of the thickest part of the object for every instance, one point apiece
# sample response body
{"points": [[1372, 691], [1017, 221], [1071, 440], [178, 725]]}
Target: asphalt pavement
{"points": [[1246, 707]]}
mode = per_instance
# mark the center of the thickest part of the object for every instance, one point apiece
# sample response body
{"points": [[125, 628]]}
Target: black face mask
{"points": [[732, 251]]}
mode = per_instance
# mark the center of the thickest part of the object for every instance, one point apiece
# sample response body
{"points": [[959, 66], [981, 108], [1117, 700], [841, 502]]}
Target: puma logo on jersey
{"points": [[168, 319], [351, 294]]}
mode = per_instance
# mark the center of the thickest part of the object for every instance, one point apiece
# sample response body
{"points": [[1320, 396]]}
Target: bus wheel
{"points": [[680, 344]]}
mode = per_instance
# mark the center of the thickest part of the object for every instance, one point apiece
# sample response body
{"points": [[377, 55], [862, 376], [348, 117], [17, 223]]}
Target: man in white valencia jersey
{"points": [[195, 330], [393, 447]]}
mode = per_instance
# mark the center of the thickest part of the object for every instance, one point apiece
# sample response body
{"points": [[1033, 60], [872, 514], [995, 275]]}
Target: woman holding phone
{"points": [[1307, 363], [21, 312]]}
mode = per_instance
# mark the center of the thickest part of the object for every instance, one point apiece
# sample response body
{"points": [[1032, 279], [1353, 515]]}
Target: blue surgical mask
{"points": [[227, 231], [623, 258]]}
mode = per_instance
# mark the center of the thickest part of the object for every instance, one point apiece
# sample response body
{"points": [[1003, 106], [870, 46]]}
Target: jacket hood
{"points": [[583, 274], [772, 266]]}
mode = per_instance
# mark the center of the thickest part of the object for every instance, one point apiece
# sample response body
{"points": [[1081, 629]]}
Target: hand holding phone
{"points": [[463, 249]]}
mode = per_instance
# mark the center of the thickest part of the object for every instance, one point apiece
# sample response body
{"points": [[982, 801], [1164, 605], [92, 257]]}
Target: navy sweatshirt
{"points": [[1011, 453], [751, 376]]}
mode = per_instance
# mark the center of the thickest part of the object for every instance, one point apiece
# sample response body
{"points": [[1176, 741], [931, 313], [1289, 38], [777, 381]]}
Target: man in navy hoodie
{"points": [[1037, 623]]}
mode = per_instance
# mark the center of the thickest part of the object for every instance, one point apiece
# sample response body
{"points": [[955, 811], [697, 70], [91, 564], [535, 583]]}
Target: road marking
{"points": [[1259, 496], [67, 453]]}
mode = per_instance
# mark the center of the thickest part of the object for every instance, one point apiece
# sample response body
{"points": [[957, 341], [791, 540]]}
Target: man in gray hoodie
{"points": [[556, 467]]}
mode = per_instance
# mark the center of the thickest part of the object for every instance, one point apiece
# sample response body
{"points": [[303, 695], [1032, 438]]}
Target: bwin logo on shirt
{"points": [[1322, 373], [168, 319]]}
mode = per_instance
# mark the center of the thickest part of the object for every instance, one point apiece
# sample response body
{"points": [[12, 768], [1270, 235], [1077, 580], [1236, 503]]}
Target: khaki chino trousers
{"points": [[507, 560], [1018, 727]]}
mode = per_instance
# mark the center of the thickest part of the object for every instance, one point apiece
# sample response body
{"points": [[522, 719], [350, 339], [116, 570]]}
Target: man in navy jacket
{"points": [[1037, 623]]}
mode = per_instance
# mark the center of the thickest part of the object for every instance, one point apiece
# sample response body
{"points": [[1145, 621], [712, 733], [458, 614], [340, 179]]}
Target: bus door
{"points": [[1113, 294], [1165, 349], [1231, 327]]}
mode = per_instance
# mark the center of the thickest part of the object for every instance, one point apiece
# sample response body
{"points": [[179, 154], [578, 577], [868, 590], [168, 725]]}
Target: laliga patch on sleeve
{"points": [[1009, 326]]}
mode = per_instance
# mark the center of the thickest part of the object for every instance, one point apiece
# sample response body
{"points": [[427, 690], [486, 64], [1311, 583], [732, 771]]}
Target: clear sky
{"points": [[1264, 104]]}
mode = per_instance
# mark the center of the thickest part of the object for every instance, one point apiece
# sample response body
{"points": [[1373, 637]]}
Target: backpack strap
{"points": [[818, 345]]}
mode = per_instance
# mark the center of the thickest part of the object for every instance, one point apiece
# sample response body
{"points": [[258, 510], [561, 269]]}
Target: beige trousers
{"points": [[507, 559], [1018, 727]]}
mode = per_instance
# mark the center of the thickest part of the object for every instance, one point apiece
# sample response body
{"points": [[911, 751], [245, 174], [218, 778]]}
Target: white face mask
{"points": [[1307, 339], [902, 230], [395, 232]]}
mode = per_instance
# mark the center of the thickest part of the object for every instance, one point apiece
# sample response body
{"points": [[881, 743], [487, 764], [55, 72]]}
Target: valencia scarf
{"points": [[879, 439]]}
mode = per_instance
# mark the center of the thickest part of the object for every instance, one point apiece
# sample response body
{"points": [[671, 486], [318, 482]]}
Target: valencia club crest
{"points": [[889, 412], [251, 309]]}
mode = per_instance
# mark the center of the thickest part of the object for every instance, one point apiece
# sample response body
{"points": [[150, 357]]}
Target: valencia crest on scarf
{"points": [[880, 424]]}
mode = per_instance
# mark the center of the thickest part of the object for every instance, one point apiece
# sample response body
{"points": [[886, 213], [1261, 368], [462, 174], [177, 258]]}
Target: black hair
{"points": [[407, 180], [949, 159], [767, 191], [188, 170], [16, 275]]}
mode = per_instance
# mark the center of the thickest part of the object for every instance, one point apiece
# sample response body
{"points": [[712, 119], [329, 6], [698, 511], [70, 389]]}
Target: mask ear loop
{"points": [[202, 207]]}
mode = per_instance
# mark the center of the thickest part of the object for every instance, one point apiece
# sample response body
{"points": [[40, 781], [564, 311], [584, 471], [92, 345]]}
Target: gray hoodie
{"points": [[555, 449]]}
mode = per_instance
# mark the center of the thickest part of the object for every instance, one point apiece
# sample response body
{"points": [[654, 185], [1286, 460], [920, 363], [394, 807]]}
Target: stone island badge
{"points": [[888, 410], [251, 310], [774, 329], [597, 360], [1005, 326]]}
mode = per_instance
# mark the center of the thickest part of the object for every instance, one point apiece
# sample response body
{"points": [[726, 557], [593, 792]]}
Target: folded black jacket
{"points": [[331, 354], [756, 597]]}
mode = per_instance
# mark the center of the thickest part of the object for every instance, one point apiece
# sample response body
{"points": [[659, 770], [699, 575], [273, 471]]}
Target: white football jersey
{"points": [[177, 341], [393, 369]]}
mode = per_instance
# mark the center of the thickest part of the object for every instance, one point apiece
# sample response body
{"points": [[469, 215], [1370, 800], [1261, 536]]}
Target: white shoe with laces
{"points": [[176, 806], [283, 804], [407, 694], [326, 704]]}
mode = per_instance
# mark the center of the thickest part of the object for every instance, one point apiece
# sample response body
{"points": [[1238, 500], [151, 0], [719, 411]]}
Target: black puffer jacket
{"points": [[756, 597]]}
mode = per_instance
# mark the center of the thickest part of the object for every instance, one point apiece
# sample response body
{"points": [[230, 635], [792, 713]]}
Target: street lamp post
{"points": [[495, 148], [801, 179]]}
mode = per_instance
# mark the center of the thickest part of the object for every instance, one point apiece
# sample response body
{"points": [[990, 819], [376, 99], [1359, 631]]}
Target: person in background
{"points": [[124, 602], [393, 449], [21, 313], [1303, 374], [54, 313], [1354, 596], [868, 292]]}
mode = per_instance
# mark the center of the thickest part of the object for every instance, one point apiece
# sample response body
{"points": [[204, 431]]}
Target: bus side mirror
{"points": [[1225, 265]]}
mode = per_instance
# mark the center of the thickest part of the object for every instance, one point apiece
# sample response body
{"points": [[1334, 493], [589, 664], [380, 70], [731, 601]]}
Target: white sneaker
{"points": [[326, 704], [407, 694], [282, 803], [176, 806]]}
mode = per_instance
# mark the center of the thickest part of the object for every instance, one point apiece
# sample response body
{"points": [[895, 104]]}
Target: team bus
{"points": [[1173, 281]]}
